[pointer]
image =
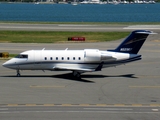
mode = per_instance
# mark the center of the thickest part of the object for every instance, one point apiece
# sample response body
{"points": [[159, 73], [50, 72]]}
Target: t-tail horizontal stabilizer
{"points": [[133, 43]]}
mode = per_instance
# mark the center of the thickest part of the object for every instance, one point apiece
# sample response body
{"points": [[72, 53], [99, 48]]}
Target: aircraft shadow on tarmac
{"points": [[69, 76]]}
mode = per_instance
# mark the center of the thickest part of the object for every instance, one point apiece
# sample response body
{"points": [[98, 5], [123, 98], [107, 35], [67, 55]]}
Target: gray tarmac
{"points": [[125, 92], [74, 27]]}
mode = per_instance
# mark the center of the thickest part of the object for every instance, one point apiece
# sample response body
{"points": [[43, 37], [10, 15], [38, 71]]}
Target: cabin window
{"points": [[45, 58], [67, 58], [56, 58], [51, 58], [74, 58], [22, 56], [62, 58], [79, 58]]}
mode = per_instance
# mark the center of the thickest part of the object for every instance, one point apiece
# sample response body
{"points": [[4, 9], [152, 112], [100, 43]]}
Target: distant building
{"points": [[95, 1]]}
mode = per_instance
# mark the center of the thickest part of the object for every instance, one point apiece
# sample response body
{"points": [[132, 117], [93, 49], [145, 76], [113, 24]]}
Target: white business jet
{"points": [[80, 61]]}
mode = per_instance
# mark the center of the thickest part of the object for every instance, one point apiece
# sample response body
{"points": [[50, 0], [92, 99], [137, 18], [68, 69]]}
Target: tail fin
{"points": [[133, 42]]}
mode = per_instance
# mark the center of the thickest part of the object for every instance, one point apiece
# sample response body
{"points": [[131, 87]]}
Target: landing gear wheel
{"points": [[77, 74], [18, 73]]}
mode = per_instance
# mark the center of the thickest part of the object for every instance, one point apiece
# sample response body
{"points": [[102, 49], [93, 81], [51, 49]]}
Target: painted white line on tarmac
{"points": [[155, 110], [76, 25], [153, 27], [2, 109], [109, 109]]}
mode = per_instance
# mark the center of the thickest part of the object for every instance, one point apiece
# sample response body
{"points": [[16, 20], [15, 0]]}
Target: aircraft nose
{"points": [[7, 64]]}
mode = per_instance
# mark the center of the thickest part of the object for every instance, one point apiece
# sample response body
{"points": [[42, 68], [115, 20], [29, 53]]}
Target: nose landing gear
{"points": [[18, 73]]}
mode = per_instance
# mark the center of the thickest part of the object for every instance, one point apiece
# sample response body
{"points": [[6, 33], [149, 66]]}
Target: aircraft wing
{"points": [[73, 69], [98, 68]]}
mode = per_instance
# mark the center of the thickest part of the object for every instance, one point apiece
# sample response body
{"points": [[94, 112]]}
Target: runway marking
{"points": [[144, 86], [101, 105], [154, 27], [2, 109], [48, 105], [155, 110], [67, 25], [82, 105], [37, 86], [114, 109], [12, 104], [155, 105]]}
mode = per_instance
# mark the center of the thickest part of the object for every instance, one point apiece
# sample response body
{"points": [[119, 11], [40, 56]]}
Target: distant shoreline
{"points": [[61, 2], [83, 23]]}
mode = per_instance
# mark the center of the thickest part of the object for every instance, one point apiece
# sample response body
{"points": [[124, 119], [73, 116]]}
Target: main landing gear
{"points": [[18, 73], [76, 74]]}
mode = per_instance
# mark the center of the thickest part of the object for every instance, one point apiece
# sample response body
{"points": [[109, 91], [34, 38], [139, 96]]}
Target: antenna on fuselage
{"points": [[66, 49], [43, 49]]}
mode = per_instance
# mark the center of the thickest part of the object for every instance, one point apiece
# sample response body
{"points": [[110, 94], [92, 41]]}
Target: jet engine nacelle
{"points": [[92, 55]]}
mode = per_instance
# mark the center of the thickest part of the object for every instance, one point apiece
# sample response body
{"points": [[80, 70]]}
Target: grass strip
{"points": [[12, 55], [57, 37]]}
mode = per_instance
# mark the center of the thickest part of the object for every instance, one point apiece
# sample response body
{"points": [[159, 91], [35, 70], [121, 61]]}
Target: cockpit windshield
{"points": [[21, 56]]}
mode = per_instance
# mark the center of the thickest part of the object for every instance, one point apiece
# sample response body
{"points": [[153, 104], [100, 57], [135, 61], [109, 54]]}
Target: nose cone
{"points": [[4, 64], [8, 64]]}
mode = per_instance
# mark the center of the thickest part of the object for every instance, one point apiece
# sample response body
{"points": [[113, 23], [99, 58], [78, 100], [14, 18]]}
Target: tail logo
{"points": [[135, 40]]}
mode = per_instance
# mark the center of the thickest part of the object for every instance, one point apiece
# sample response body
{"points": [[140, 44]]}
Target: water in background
{"points": [[80, 13]]}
